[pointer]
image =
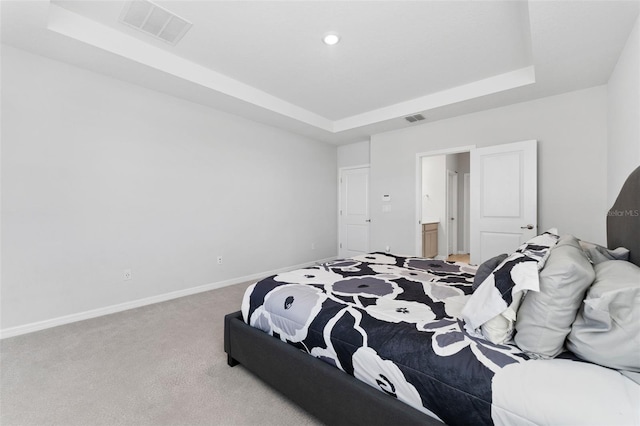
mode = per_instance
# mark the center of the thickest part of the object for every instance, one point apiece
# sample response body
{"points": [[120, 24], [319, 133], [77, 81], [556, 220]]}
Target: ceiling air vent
{"points": [[154, 20], [414, 118]]}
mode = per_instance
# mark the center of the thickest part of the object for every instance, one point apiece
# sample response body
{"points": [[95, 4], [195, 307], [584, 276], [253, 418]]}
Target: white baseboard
{"points": [[67, 319]]}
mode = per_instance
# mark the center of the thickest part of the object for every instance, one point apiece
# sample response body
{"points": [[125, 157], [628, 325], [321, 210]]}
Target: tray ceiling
{"points": [[265, 59]]}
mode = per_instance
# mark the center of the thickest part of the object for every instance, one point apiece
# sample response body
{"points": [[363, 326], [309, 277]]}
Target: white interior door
{"points": [[452, 212], [354, 212], [503, 198]]}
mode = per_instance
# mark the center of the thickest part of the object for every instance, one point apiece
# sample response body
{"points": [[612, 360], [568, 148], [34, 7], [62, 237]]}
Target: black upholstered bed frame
{"points": [[623, 219], [331, 395], [337, 398]]}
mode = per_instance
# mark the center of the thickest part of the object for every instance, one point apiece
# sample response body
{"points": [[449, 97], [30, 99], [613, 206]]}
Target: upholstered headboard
{"points": [[623, 219]]}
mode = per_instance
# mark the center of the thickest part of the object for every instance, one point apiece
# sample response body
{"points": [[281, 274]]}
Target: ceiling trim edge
{"points": [[67, 23], [80, 28], [499, 83]]}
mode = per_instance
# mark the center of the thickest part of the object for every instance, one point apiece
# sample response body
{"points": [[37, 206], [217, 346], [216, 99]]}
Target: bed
{"points": [[547, 334]]}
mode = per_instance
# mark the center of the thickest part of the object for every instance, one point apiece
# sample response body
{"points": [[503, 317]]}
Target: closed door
{"points": [[354, 212], [503, 198]]}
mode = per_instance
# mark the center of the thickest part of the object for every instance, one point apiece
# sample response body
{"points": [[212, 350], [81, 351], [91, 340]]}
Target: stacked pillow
{"points": [[545, 317], [580, 299], [491, 310], [597, 253], [607, 328], [486, 269]]}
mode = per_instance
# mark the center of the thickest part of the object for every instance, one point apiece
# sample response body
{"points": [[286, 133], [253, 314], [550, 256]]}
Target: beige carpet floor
{"points": [[162, 364]]}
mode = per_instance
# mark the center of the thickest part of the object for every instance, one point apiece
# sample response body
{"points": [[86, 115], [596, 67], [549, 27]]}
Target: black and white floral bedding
{"points": [[395, 323]]}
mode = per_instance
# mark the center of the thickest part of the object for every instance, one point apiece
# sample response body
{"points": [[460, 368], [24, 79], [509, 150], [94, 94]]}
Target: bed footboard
{"points": [[324, 391]]}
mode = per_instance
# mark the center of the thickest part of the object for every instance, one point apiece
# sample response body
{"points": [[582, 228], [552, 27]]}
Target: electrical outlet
{"points": [[387, 249], [313, 246], [126, 274], [219, 260]]}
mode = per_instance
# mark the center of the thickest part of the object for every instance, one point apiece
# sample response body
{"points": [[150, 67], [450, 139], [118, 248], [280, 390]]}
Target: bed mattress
{"points": [[395, 323]]}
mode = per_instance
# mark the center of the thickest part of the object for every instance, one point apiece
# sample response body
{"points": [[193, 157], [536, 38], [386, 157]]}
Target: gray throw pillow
{"points": [[607, 328], [486, 268], [545, 317]]}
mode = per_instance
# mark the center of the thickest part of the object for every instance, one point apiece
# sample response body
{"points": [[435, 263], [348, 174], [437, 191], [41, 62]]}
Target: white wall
{"points": [[571, 130], [623, 99], [434, 174], [353, 154], [99, 175]]}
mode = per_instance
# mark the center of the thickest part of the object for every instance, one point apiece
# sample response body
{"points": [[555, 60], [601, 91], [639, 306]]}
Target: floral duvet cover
{"points": [[394, 323]]}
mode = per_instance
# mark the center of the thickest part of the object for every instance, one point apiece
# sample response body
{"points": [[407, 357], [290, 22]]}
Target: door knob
{"points": [[527, 227]]}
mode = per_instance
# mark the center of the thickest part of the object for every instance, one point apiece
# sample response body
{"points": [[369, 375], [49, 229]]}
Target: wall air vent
{"points": [[414, 118], [154, 20]]}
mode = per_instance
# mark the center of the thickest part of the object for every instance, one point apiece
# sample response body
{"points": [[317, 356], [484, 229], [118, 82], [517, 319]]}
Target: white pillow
{"points": [[597, 253], [545, 317], [607, 328]]}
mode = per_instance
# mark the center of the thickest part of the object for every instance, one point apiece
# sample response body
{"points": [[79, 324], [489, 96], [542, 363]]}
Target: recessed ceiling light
{"points": [[331, 39]]}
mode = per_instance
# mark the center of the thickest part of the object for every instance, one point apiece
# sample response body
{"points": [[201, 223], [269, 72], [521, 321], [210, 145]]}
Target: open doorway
{"points": [[443, 205]]}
